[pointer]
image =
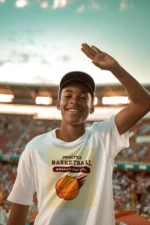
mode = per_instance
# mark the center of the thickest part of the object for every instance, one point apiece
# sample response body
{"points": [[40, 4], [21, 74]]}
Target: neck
{"points": [[69, 132]]}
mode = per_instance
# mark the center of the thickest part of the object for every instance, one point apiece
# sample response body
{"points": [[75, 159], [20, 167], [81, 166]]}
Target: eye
{"points": [[84, 97], [67, 96]]}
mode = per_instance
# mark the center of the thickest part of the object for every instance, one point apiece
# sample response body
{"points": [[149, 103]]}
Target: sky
{"points": [[40, 41]]}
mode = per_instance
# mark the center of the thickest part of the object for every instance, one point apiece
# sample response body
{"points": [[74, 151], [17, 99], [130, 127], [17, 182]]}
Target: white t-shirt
{"points": [[73, 180]]}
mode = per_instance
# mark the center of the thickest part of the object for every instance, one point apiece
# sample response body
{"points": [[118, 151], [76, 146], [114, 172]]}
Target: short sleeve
{"points": [[119, 142], [24, 187], [113, 142]]}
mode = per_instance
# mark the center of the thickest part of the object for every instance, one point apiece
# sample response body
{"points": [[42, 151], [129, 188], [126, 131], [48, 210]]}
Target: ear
{"points": [[58, 104], [92, 109]]}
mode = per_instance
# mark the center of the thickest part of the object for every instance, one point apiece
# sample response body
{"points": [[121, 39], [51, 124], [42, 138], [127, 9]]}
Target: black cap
{"points": [[77, 76]]}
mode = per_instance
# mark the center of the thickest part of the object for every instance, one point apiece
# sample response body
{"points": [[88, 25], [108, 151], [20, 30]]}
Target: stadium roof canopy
{"points": [[26, 94]]}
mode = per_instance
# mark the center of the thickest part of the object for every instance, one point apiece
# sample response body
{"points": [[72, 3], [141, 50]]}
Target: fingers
{"points": [[89, 52], [96, 49]]}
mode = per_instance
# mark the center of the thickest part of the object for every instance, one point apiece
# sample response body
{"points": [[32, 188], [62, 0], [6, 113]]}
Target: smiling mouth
{"points": [[73, 110]]}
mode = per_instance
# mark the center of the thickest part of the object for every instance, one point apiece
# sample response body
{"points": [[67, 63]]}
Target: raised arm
{"points": [[18, 214], [139, 96]]}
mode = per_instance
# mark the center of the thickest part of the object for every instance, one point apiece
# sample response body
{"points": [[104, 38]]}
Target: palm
{"points": [[99, 58]]}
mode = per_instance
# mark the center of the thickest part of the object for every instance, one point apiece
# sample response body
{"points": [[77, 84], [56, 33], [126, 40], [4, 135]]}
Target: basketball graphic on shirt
{"points": [[68, 187]]}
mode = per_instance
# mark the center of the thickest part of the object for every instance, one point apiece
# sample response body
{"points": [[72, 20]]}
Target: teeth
{"points": [[73, 110]]}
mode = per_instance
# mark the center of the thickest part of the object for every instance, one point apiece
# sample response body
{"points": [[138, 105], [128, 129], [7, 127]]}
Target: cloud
{"points": [[39, 79], [31, 42], [18, 57], [30, 73], [2, 1], [24, 57], [13, 53], [44, 60], [59, 4], [65, 58], [21, 3], [12, 39], [125, 5], [81, 8], [44, 5], [95, 5], [2, 62]]}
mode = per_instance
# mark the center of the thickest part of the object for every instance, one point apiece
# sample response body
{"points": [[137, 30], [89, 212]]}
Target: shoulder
{"points": [[32, 147], [39, 138], [37, 141], [104, 126]]}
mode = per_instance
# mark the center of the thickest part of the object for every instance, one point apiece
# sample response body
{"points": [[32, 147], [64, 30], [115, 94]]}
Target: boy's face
{"points": [[75, 103]]}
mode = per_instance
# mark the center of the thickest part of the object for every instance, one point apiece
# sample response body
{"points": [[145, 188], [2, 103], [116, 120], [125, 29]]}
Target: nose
{"points": [[74, 100]]}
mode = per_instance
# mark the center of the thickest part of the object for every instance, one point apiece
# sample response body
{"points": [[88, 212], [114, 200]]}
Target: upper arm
{"points": [[18, 214], [129, 116], [24, 186]]}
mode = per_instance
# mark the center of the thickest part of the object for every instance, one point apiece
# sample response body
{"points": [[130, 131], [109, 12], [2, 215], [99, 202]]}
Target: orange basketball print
{"points": [[68, 187]]}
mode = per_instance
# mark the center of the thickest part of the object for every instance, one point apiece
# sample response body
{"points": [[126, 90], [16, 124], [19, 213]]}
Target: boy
{"points": [[70, 167]]}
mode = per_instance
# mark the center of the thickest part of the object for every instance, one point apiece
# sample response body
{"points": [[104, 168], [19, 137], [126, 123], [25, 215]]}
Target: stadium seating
{"points": [[131, 189]]}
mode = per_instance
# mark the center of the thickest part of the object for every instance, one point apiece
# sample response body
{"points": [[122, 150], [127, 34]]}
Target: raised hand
{"points": [[99, 58]]}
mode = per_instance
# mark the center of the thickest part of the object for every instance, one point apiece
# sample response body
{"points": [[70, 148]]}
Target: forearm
{"points": [[18, 214], [137, 93]]}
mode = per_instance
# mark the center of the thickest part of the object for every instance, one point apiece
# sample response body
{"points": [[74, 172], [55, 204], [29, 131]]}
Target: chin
{"points": [[72, 121], [76, 123]]}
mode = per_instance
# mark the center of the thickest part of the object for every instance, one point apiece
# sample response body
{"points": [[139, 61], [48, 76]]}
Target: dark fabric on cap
{"points": [[77, 76]]}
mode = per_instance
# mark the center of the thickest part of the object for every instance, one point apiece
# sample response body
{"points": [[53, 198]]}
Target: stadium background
{"points": [[40, 41]]}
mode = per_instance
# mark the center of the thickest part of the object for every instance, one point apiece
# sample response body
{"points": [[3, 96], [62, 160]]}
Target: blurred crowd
{"points": [[131, 189], [17, 130], [131, 192]]}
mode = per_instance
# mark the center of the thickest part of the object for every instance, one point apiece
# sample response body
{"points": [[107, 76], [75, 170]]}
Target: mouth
{"points": [[73, 110]]}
